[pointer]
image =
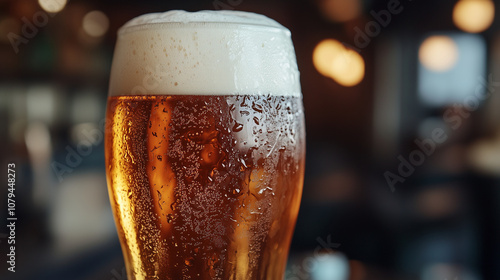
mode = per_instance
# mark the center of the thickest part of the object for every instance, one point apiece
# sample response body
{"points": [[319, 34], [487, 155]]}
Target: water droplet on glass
{"points": [[237, 127], [213, 260], [257, 107], [189, 261]]}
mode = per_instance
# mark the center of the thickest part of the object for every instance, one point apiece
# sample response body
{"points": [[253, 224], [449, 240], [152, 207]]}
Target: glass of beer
{"points": [[205, 145]]}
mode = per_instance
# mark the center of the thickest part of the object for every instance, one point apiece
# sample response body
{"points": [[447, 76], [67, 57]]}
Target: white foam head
{"points": [[204, 53]]}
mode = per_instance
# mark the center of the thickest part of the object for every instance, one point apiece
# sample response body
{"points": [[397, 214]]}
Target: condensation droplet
{"points": [[237, 127], [189, 261], [257, 107], [212, 260]]}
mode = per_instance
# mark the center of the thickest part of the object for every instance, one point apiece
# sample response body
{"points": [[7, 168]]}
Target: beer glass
{"points": [[205, 145]]}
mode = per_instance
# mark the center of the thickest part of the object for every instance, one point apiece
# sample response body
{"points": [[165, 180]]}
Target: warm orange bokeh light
{"points": [[348, 69], [324, 54], [341, 10], [438, 53], [474, 16], [343, 65]]}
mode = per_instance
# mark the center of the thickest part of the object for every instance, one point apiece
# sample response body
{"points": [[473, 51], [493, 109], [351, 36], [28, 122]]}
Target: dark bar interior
{"points": [[403, 136]]}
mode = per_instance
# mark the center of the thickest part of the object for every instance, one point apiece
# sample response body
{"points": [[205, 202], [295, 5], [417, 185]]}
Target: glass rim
{"points": [[203, 24]]}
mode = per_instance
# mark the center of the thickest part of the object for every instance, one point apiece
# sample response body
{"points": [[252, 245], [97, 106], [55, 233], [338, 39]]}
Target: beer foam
{"points": [[204, 53]]}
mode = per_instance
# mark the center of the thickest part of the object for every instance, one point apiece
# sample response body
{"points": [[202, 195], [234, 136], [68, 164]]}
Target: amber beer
{"points": [[205, 145]]}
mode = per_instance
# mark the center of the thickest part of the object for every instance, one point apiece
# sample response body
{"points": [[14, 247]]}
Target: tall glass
{"points": [[205, 145]]}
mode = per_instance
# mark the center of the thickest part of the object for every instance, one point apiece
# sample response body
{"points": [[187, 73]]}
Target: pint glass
{"points": [[205, 145]]}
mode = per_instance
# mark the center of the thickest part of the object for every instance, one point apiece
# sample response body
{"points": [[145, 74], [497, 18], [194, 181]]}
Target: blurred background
{"points": [[403, 135]]}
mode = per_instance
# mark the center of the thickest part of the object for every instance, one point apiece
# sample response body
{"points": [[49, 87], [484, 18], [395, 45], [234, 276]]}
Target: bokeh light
{"points": [[484, 156], [38, 138], [52, 6], [324, 54], [343, 65], [95, 23], [333, 266], [474, 15], [438, 53], [348, 68], [340, 10]]}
